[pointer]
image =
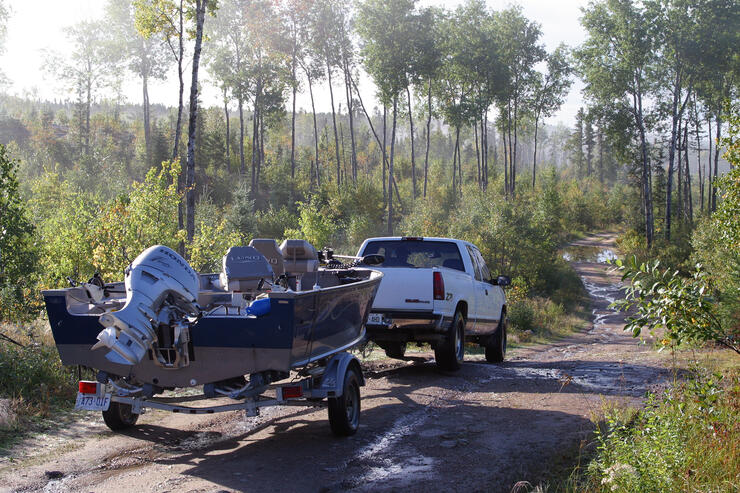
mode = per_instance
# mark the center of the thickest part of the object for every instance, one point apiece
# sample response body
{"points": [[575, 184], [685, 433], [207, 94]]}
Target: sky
{"points": [[38, 25]]}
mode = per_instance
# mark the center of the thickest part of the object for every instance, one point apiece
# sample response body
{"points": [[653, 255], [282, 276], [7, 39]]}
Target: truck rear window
{"points": [[416, 254]]}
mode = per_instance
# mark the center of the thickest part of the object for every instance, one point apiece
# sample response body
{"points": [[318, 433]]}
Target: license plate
{"points": [[375, 319], [91, 402]]}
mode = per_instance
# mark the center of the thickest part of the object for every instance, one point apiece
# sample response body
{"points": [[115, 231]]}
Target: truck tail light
{"points": [[86, 387], [438, 286]]}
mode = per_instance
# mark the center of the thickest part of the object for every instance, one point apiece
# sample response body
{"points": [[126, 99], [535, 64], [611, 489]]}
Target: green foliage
{"points": [[34, 377], [212, 237], [66, 219], [665, 299], [684, 440], [315, 226], [130, 224], [17, 249]]}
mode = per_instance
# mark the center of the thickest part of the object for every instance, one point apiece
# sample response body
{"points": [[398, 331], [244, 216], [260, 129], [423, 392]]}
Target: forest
{"points": [[453, 144]]}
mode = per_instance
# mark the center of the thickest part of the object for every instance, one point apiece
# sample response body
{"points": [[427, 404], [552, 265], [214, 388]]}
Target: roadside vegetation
{"points": [[454, 145], [686, 437]]}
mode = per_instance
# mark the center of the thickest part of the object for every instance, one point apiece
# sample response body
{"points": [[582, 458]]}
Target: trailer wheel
{"points": [[496, 346], [119, 416], [344, 411], [450, 353]]}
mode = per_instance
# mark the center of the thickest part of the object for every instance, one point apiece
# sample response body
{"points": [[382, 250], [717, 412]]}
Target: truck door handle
{"points": [[486, 292]]}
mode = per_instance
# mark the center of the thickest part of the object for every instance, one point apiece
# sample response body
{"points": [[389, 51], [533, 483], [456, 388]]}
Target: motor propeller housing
{"points": [[159, 277]]}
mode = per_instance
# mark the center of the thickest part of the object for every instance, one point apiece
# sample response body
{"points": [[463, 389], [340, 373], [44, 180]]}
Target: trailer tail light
{"points": [[439, 286], [292, 391], [88, 387]]}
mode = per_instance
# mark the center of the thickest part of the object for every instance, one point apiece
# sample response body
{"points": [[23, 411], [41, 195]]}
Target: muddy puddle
{"points": [[584, 253]]}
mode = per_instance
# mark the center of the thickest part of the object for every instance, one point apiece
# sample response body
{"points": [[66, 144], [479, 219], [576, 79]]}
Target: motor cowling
{"points": [[158, 281]]}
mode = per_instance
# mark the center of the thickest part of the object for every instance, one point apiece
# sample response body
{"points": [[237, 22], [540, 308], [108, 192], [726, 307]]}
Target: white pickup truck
{"points": [[439, 291]]}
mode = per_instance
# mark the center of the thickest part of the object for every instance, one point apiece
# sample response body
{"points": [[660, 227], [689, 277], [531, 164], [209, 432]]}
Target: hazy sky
{"points": [[36, 25]]}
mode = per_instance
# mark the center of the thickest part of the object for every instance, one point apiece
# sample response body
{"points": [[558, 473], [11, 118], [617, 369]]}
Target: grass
{"points": [[686, 438], [34, 385], [541, 320]]}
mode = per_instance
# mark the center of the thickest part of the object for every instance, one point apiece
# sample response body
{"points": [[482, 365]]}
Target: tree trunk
{"points": [[454, 158], [292, 119], [698, 155], [385, 133], [255, 147], [228, 132], [200, 11], [147, 121], [429, 136], [514, 147], [242, 163], [534, 158], [315, 130], [646, 178], [680, 213], [689, 198], [484, 133], [292, 133], [334, 120], [506, 163], [477, 155], [709, 163], [390, 168], [381, 145], [88, 108], [671, 160], [178, 125], [413, 159], [718, 130], [261, 160], [350, 111]]}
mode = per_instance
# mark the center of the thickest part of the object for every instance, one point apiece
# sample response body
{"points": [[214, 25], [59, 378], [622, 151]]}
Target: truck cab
{"points": [[437, 291]]}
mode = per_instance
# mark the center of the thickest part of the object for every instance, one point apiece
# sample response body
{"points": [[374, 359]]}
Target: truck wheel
{"points": [[450, 353], [395, 349], [119, 416], [344, 411], [496, 347]]}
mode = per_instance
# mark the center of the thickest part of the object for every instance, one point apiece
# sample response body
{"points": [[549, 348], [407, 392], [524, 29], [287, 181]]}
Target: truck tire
{"points": [[450, 353], [119, 416], [395, 349], [344, 411], [496, 346]]}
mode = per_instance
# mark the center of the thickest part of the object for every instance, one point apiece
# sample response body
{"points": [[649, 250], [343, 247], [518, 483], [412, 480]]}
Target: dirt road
{"points": [[483, 428]]}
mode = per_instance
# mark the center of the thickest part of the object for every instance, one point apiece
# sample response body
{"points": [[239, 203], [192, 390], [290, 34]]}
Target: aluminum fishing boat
{"points": [[272, 310]]}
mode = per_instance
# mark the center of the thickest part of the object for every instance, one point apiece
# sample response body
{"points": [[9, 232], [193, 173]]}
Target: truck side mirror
{"points": [[502, 281]]}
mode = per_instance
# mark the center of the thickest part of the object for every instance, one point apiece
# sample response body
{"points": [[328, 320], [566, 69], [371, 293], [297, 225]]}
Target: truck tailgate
{"points": [[404, 289]]}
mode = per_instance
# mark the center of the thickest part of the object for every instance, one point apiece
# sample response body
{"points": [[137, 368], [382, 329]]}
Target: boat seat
{"points": [[299, 256], [244, 269], [269, 248]]}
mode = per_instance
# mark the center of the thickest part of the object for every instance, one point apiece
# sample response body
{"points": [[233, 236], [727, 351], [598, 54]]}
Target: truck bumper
{"points": [[410, 327]]}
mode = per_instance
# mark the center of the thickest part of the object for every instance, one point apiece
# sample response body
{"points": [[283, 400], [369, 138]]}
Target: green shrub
{"points": [[684, 440], [34, 378]]}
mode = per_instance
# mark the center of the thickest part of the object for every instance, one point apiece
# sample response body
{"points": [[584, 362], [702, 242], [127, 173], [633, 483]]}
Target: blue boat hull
{"points": [[301, 327]]}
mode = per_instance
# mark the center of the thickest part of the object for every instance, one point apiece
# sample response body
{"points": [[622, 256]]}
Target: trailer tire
{"points": [[496, 346], [450, 353], [344, 411], [119, 416]]}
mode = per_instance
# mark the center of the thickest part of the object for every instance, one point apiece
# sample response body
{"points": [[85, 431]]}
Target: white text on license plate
{"points": [[375, 318], [92, 402]]}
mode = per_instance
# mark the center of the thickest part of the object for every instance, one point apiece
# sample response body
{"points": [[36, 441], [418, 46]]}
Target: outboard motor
{"points": [[161, 288]]}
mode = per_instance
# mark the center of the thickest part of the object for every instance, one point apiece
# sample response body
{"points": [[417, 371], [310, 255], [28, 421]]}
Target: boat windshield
{"points": [[416, 254]]}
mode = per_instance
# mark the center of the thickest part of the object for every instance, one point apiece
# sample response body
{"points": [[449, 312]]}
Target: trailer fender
{"points": [[332, 381]]}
